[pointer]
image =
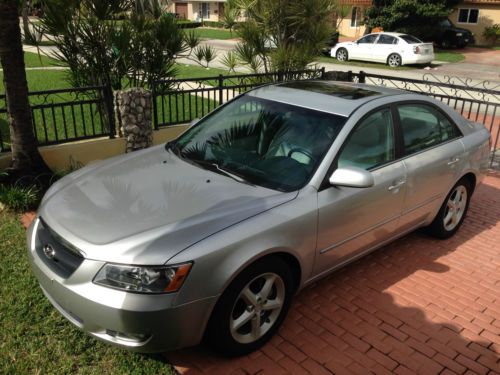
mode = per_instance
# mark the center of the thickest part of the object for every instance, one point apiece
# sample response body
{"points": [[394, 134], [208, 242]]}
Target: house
{"points": [[473, 15], [476, 15], [196, 10]]}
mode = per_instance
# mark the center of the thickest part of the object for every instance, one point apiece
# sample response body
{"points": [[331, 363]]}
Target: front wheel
{"points": [[394, 60], [252, 308], [342, 54], [452, 213]]}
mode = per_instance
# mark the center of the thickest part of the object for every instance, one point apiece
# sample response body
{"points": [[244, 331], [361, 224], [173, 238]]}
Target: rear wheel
{"points": [[452, 213], [252, 308], [394, 60], [342, 54]]}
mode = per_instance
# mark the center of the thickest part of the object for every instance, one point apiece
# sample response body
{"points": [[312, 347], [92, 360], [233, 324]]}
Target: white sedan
{"points": [[394, 49]]}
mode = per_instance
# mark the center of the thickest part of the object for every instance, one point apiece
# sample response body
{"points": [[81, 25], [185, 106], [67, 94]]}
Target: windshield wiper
{"points": [[174, 147], [216, 168]]}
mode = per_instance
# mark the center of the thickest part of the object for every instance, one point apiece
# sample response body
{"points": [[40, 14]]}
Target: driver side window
{"points": [[371, 143]]}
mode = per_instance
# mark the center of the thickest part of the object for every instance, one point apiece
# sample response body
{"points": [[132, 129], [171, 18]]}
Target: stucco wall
{"points": [[489, 15], [62, 157], [345, 28]]}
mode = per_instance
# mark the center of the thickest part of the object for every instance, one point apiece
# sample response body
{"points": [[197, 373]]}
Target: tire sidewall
{"points": [[218, 334], [437, 228]]}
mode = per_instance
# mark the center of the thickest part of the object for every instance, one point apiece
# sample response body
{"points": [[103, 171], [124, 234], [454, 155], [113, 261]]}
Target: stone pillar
{"points": [[133, 112]]}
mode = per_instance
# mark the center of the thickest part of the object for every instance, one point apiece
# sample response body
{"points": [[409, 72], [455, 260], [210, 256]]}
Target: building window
{"points": [[468, 15], [355, 16], [204, 10]]}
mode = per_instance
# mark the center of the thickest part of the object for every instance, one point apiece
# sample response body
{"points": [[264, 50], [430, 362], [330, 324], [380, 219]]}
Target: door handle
{"points": [[397, 185], [455, 160]]}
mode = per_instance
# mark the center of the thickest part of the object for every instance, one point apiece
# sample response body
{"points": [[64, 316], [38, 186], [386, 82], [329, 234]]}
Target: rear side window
{"points": [[410, 39], [424, 126], [387, 39]]}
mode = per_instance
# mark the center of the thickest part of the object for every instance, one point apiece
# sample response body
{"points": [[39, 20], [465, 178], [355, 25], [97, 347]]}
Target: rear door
{"points": [[386, 44], [353, 220], [433, 158]]}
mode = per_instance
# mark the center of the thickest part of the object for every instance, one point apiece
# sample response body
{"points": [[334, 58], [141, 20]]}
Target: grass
{"points": [[32, 60], [363, 64], [213, 33], [449, 56], [35, 338]]}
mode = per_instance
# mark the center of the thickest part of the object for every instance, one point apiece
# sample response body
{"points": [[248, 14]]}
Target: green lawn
{"points": [[449, 56], [32, 60], [213, 33], [35, 338]]}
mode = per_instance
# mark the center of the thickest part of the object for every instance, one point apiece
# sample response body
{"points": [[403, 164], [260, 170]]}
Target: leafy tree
{"points": [[283, 35], [101, 50], [417, 17], [25, 156]]}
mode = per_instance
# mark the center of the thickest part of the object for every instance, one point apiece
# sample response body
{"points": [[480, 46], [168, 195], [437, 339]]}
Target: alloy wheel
{"points": [[342, 55], [257, 308], [394, 60], [455, 208]]}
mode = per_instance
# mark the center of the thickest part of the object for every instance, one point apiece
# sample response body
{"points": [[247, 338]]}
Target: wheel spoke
{"points": [[272, 305], [256, 326], [242, 320], [249, 297], [268, 286]]}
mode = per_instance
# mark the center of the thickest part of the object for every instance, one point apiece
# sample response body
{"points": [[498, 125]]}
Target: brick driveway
{"points": [[416, 306]]}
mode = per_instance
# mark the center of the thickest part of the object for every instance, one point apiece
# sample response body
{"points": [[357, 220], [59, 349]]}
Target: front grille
{"points": [[58, 255]]}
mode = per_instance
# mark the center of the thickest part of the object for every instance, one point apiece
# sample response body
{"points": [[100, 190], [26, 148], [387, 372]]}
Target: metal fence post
{"points": [[280, 76], [221, 89], [323, 71], [362, 77], [108, 101], [349, 76]]}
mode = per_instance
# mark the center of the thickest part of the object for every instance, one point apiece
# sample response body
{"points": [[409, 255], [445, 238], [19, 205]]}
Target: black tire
{"points": [[218, 334], [342, 54], [438, 228], [394, 60]]}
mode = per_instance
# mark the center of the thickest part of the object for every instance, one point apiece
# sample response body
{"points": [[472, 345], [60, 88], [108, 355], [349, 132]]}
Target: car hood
{"points": [[147, 206]]}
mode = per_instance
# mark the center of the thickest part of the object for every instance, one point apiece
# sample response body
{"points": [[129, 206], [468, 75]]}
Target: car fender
{"points": [[289, 228]]}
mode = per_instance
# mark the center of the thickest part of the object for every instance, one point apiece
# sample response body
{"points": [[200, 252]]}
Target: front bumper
{"points": [[138, 322]]}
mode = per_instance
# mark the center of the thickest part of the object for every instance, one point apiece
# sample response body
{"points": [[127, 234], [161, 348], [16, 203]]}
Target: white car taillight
{"points": [[416, 49]]}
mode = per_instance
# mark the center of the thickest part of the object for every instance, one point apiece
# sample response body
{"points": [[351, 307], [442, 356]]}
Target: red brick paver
{"points": [[418, 305]]}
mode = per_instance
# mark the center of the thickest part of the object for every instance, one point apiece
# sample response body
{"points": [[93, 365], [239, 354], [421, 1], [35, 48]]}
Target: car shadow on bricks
{"points": [[418, 305]]}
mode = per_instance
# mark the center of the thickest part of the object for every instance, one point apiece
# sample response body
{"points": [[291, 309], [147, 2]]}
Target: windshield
{"points": [[262, 142]]}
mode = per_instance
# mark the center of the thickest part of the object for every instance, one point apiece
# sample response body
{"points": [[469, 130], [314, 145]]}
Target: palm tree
{"points": [[25, 156]]}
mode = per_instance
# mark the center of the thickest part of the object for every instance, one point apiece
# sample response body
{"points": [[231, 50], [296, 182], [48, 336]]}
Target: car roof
{"points": [[340, 98]]}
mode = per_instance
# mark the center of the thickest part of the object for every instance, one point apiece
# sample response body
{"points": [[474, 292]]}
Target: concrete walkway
{"points": [[418, 305]]}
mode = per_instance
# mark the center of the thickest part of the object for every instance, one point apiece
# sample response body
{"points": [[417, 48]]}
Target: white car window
{"points": [[369, 39], [387, 39]]}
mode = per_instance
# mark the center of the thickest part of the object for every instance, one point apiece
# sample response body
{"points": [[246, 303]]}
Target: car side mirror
{"points": [[194, 122], [352, 177]]}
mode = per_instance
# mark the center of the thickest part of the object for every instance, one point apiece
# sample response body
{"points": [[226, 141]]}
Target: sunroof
{"points": [[340, 91]]}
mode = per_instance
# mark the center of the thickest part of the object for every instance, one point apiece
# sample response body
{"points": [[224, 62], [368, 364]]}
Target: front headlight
{"points": [[143, 279]]}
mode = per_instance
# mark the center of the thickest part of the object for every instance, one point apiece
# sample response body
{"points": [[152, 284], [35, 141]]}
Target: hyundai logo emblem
{"points": [[49, 251]]}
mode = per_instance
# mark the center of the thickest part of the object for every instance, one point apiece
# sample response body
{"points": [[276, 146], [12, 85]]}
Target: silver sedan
{"points": [[210, 236]]}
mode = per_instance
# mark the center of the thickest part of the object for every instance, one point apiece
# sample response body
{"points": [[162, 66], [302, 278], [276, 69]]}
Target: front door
{"points": [[363, 49], [181, 10], [353, 220]]}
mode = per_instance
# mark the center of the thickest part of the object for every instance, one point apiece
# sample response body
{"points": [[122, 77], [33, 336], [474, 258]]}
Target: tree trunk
{"points": [[25, 156]]}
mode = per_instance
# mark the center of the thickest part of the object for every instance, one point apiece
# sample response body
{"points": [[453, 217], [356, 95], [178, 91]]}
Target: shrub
{"points": [[213, 24], [492, 33], [188, 24], [19, 198]]}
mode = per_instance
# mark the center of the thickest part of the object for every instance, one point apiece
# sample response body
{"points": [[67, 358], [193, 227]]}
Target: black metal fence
{"points": [[181, 101], [478, 101], [65, 115]]}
